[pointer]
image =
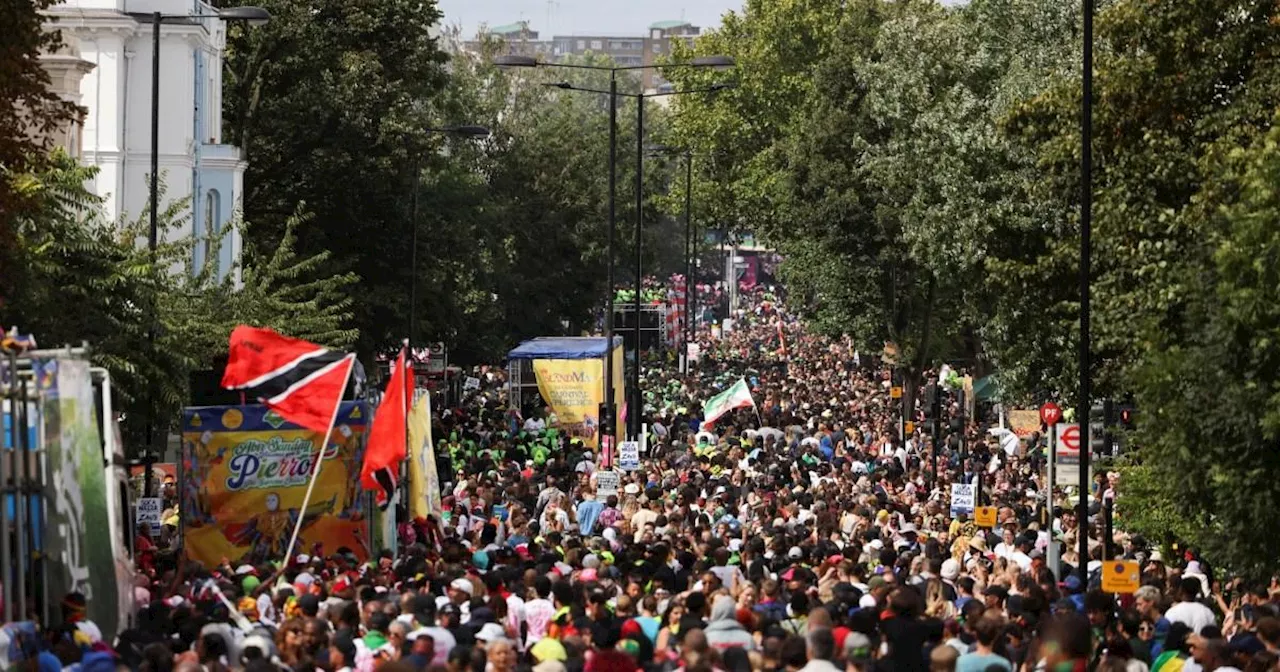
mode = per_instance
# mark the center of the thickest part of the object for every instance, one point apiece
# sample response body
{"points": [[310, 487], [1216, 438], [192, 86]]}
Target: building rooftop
{"points": [[510, 28], [668, 25]]}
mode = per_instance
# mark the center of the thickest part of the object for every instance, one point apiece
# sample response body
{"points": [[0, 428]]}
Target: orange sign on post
{"points": [[1120, 576], [985, 516]]}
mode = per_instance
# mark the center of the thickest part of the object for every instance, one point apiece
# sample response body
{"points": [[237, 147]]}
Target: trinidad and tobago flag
{"points": [[388, 437], [301, 381]]}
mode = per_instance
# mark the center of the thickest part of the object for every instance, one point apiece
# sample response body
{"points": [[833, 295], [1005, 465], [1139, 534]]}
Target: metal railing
{"points": [[24, 570]]}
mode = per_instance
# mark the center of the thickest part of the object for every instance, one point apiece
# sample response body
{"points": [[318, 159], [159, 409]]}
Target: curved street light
{"points": [[466, 131], [515, 61], [255, 16]]}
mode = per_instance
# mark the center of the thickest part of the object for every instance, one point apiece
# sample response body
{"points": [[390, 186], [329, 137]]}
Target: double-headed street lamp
{"points": [[468, 131], [715, 62], [251, 15], [637, 399]]}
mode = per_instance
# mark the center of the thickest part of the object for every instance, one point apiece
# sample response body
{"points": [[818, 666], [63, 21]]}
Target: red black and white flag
{"points": [[388, 437], [301, 381]]}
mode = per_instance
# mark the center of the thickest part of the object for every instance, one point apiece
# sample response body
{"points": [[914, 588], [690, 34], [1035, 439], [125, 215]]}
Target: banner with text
{"points": [[572, 387], [424, 479], [245, 472]]}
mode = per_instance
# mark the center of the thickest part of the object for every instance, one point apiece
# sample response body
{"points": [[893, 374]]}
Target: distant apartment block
{"points": [[634, 50]]}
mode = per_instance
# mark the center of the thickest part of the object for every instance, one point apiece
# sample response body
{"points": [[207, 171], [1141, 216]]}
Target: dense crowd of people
{"points": [[803, 534]]}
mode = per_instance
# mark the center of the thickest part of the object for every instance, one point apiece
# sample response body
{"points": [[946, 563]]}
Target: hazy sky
{"points": [[568, 17]]}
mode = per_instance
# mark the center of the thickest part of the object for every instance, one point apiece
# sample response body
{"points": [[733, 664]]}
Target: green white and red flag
{"points": [[737, 396]]}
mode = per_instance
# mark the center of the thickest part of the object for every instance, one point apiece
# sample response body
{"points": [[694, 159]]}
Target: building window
{"points": [[582, 44], [657, 47], [597, 45], [211, 226]]}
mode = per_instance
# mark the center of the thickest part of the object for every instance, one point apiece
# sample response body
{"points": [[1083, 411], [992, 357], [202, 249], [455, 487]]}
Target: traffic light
{"points": [[932, 402], [606, 420], [1099, 420], [1127, 416]]}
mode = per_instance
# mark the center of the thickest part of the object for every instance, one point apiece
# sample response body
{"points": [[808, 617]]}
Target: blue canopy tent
{"points": [[562, 347], [521, 372]]}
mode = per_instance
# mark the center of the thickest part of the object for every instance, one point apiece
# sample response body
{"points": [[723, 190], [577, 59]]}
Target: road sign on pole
{"points": [[1066, 453], [1050, 414]]}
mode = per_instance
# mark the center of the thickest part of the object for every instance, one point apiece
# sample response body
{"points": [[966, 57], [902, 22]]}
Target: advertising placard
{"points": [[629, 455], [246, 471]]}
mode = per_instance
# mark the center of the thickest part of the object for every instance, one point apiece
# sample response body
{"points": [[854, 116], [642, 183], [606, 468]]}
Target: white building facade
{"points": [[197, 168]]}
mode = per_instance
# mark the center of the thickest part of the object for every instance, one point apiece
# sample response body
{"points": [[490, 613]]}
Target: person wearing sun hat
{"points": [[549, 655]]}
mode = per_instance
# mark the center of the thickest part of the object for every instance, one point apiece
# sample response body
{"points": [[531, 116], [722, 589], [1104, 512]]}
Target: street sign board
{"points": [[1120, 576], [1066, 454], [895, 392], [629, 455], [1050, 413], [985, 516], [961, 499]]}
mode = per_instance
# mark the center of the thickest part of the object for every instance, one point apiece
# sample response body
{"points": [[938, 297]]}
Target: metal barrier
{"points": [[23, 476]]}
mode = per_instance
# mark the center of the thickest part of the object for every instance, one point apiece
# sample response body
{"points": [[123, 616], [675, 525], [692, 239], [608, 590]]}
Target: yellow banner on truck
{"points": [[573, 390]]}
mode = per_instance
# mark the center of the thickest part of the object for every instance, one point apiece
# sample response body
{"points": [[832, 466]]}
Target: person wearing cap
{"points": [[461, 591], [549, 655], [994, 596]]}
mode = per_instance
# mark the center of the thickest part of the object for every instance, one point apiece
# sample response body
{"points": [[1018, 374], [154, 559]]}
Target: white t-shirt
{"points": [[1191, 614], [515, 614], [538, 614]]}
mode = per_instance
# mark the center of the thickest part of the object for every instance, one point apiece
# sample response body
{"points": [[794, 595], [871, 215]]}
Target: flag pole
{"points": [[315, 470], [405, 487]]}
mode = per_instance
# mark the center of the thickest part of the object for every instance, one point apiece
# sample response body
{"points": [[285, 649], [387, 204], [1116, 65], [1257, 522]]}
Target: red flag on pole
{"points": [[301, 381], [386, 445]]}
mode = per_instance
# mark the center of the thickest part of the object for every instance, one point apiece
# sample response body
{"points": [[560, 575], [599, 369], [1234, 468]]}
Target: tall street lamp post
{"points": [[608, 414], [636, 403], [468, 131], [1083, 404], [251, 15]]}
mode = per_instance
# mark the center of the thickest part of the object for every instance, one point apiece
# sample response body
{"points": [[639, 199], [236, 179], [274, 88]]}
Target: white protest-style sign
{"points": [[149, 511], [961, 499], [1066, 453], [606, 483], [629, 455], [472, 383]]}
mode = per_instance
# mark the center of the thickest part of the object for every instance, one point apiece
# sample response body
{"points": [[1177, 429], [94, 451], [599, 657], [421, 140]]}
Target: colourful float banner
{"points": [[245, 474], [573, 389]]}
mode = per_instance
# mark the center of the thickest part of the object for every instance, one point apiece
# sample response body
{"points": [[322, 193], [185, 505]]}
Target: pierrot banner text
{"points": [[245, 472]]}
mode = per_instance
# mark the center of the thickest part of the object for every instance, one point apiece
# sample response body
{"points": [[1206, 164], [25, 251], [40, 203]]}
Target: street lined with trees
{"points": [[918, 167], [915, 164]]}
